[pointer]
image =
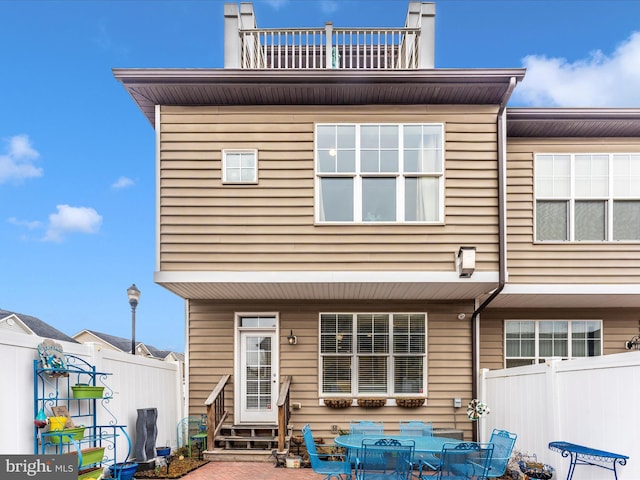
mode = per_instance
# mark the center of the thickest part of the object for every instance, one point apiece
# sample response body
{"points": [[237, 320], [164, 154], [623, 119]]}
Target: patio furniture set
{"points": [[370, 454]]}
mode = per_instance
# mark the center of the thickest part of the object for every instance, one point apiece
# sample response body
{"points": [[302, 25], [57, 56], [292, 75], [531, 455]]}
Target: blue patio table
{"points": [[424, 444], [581, 455]]}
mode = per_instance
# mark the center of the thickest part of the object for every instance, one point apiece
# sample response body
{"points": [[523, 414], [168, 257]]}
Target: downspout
{"points": [[502, 247]]}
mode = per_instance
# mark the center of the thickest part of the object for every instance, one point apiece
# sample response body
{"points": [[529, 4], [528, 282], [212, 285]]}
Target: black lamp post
{"points": [[134, 295]]}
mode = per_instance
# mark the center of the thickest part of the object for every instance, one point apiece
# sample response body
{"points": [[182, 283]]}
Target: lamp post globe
{"points": [[134, 296]]}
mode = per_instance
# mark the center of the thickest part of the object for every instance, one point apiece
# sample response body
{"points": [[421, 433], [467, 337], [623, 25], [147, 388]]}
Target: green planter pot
{"points": [[90, 473], [87, 391], [90, 456], [66, 435]]}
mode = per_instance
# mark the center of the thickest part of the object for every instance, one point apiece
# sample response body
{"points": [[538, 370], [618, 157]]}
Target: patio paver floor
{"points": [[249, 471]]}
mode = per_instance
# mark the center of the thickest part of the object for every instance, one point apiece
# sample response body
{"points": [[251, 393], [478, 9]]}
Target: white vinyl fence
{"points": [[590, 401], [137, 382]]}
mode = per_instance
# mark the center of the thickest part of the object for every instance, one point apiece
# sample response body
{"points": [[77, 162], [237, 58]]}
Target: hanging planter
{"points": [[372, 402], [405, 402], [338, 402]]}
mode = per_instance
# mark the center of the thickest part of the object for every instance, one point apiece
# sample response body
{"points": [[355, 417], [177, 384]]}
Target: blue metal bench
{"points": [[581, 455]]}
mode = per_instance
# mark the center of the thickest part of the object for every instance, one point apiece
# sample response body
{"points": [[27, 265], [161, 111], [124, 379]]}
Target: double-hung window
{"points": [[372, 353], [533, 341], [379, 173], [587, 197]]}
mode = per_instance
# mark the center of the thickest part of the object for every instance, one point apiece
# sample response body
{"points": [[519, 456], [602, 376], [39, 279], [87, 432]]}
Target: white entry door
{"points": [[258, 376]]}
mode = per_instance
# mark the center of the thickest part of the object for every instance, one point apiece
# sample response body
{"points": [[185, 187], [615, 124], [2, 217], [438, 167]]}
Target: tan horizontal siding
{"points": [[618, 326], [194, 204], [560, 262], [210, 339]]}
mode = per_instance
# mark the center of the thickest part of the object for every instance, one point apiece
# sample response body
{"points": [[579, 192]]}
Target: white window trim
{"points": [[226, 181], [571, 227], [358, 176], [536, 357], [354, 356]]}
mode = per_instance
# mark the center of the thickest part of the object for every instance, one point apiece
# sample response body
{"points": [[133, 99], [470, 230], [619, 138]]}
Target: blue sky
{"points": [[77, 192]]}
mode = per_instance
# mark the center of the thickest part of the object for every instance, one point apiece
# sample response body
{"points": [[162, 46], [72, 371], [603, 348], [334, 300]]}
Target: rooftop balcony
{"points": [[408, 48]]}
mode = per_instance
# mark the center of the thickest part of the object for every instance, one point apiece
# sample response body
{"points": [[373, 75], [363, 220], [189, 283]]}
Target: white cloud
{"points": [[30, 225], [122, 182], [72, 219], [597, 81], [16, 164]]}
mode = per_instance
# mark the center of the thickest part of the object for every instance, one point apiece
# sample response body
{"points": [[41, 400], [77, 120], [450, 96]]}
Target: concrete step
{"points": [[226, 455]]}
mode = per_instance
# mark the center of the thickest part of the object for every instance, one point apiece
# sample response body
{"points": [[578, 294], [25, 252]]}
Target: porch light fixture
{"points": [[134, 296], [466, 261], [292, 339], [633, 344]]}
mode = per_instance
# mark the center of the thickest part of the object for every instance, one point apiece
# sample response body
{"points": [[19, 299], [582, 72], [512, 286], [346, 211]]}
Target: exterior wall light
{"points": [[292, 339], [466, 261]]}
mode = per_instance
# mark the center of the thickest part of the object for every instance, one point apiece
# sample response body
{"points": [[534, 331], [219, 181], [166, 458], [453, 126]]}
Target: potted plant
{"points": [[123, 471], [163, 451]]}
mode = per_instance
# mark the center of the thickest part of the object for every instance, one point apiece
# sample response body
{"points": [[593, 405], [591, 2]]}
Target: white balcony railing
{"points": [[361, 48]]}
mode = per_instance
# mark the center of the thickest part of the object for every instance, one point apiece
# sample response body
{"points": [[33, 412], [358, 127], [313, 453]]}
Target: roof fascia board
{"points": [[132, 76], [595, 113]]}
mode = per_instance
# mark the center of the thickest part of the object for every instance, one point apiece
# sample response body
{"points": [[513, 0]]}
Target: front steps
{"points": [[245, 443]]}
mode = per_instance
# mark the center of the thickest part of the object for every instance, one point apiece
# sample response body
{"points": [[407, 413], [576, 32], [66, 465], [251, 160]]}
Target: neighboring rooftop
{"points": [[124, 345], [19, 322]]}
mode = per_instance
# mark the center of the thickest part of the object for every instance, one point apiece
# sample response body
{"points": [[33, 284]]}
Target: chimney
{"points": [[423, 15]]}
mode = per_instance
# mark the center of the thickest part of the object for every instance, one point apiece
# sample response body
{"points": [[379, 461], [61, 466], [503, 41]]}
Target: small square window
{"points": [[240, 166]]}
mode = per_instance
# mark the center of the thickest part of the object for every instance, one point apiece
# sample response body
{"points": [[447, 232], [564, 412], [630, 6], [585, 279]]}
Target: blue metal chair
{"points": [[366, 427], [416, 428], [464, 461], [319, 462], [421, 429], [385, 459], [503, 443]]}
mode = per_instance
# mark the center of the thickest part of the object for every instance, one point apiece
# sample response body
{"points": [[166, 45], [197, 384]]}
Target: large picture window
{"points": [[584, 197], [372, 353], [379, 173], [533, 341]]}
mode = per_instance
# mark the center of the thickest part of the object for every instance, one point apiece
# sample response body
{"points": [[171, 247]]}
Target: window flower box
{"points": [[406, 402], [372, 402], [338, 402]]}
